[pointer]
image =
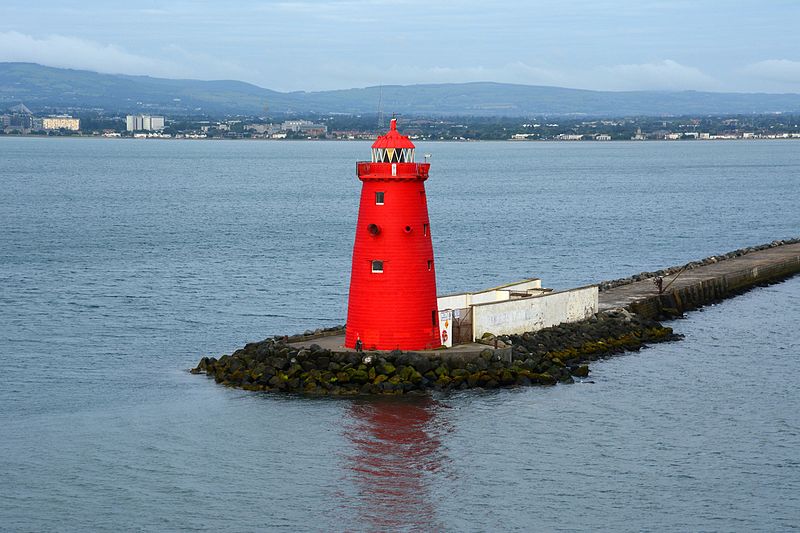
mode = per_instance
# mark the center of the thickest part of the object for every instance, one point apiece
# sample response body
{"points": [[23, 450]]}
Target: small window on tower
{"points": [[430, 264], [424, 229], [379, 198], [377, 267]]}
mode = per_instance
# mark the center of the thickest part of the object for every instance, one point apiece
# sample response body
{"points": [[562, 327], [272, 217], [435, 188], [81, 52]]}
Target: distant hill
{"points": [[47, 88], [41, 87]]}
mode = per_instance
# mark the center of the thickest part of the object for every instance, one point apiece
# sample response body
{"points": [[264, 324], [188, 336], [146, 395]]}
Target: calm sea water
{"points": [[123, 262]]}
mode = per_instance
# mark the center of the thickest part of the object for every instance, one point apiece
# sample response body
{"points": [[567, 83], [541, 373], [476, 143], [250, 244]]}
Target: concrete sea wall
{"points": [[703, 292], [711, 260], [700, 283], [538, 312]]}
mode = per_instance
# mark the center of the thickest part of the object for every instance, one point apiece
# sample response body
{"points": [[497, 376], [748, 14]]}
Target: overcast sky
{"points": [[731, 45]]}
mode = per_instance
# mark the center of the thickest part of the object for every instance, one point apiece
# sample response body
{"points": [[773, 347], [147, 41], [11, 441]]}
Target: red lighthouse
{"points": [[393, 281]]}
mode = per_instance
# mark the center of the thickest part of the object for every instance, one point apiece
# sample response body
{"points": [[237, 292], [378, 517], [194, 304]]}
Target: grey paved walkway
{"points": [[626, 294]]}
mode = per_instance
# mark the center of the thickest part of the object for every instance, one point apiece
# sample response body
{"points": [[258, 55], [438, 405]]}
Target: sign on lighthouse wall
{"points": [[446, 327]]}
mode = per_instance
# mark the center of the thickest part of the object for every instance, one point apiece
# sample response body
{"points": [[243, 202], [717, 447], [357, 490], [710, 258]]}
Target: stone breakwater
{"points": [[545, 357], [629, 308], [606, 285]]}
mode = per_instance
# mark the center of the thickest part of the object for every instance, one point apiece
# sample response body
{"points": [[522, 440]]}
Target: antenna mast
{"points": [[380, 107]]}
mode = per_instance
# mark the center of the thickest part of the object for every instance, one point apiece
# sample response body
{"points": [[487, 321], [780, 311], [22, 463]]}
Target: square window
{"points": [[377, 267], [379, 198]]}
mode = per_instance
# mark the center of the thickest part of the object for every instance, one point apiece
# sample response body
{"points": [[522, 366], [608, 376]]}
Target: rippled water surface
{"points": [[123, 262]]}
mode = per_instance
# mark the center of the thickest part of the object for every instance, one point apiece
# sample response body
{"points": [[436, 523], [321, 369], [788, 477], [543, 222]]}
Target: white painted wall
{"points": [[524, 285], [454, 301], [496, 294], [535, 313], [490, 296]]}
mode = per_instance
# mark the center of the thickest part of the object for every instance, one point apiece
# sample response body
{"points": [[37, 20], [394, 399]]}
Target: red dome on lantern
{"points": [[393, 280], [393, 138]]}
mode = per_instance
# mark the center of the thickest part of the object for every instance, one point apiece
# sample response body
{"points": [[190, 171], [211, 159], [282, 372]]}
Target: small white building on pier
{"points": [[512, 309]]}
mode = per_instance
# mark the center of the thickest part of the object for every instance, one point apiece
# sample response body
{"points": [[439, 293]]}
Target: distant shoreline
{"points": [[516, 141]]}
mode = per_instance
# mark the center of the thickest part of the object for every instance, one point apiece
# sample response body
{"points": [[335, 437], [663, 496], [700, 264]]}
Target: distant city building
{"points": [[63, 122], [603, 137], [156, 123], [20, 122], [294, 125], [356, 134], [19, 117], [264, 129], [305, 127], [144, 123]]}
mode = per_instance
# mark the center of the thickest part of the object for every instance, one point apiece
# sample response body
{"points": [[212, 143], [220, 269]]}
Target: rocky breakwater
{"points": [[546, 357]]}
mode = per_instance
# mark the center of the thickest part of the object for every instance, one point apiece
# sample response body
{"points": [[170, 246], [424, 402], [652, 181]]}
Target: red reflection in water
{"points": [[397, 450]]}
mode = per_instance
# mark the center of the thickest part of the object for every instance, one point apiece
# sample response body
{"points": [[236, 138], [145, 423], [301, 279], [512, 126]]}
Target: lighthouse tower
{"points": [[393, 280]]}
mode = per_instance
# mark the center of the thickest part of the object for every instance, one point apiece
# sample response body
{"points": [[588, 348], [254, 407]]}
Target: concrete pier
{"points": [[319, 364], [701, 285], [688, 289]]}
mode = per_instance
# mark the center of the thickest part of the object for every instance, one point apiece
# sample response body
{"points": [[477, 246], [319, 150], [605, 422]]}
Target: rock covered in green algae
{"points": [[545, 357]]}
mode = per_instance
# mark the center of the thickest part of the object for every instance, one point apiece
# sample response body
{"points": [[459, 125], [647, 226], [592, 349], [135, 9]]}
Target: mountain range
{"points": [[49, 89]]}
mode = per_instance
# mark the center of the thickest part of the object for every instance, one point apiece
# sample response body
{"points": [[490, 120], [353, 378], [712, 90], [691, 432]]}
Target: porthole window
{"points": [[377, 267], [379, 198], [407, 229]]}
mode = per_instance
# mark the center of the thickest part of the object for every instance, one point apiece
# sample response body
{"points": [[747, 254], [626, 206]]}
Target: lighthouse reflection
{"points": [[396, 453]]}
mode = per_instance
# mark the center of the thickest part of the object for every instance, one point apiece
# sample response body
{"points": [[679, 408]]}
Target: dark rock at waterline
{"points": [[545, 357], [581, 371]]}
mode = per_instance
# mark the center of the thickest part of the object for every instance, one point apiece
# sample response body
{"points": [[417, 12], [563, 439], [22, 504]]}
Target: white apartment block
{"points": [[57, 123], [144, 123]]}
